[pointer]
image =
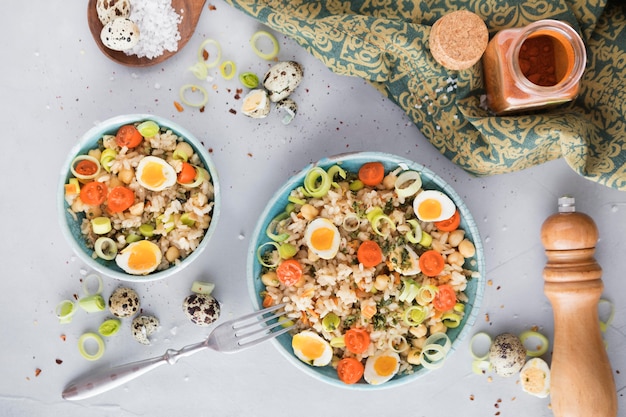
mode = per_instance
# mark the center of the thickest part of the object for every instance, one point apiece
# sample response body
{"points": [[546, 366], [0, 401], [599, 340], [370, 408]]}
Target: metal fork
{"points": [[231, 336]]}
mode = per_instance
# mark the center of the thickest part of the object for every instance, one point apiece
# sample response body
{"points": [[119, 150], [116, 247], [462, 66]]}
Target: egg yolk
{"points": [[385, 365], [429, 209], [322, 238], [309, 347], [152, 174], [142, 257]]}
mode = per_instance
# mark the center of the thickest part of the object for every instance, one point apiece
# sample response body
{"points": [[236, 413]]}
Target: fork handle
{"points": [[97, 383]]}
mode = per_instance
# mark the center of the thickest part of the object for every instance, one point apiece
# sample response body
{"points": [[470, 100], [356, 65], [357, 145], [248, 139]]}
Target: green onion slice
{"points": [[87, 282], [249, 79], [451, 320], [317, 182], [274, 224], [193, 88], [351, 222], [65, 310], [426, 240], [202, 49], [356, 185], [263, 34], [109, 327], [107, 157], [426, 294], [336, 170], [228, 70], [260, 252], [408, 183], [398, 344], [338, 342], [296, 200], [415, 315], [541, 341], [204, 288], [101, 225], [484, 352], [376, 217], [201, 175], [331, 322], [199, 70], [416, 230], [180, 155], [82, 342], [287, 250], [85, 158], [92, 303], [148, 129], [105, 248], [433, 352], [146, 230]]}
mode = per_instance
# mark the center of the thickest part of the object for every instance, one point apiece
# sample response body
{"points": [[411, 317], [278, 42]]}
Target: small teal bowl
{"points": [[71, 227], [351, 162]]}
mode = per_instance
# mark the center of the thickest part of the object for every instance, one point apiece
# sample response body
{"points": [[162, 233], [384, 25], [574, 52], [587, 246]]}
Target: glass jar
{"points": [[532, 67]]}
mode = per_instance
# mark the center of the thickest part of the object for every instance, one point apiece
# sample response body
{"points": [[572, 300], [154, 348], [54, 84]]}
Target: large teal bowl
{"points": [[71, 227], [352, 162]]}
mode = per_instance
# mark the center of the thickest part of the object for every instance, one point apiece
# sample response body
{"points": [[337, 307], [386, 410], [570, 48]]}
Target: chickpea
{"points": [[466, 248], [455, 258], [309, 212], [172, 254], [126, 175], [438, 328], [389, 181], [418, 331], [95, 153], [413, 357], [114, 182], [456, 237], [93, 212], [381, 282], [270, 279]]}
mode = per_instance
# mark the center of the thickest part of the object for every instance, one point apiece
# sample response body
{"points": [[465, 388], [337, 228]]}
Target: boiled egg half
{"points": [[322, 238], [155, 173], [535, 378], [433, 206], [139, 258], [405, 260], [381, 367], [312, 348]]}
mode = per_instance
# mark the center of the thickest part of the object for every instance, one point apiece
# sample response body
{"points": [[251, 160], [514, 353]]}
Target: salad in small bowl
{"points": [[380, 265], [138, 198]]}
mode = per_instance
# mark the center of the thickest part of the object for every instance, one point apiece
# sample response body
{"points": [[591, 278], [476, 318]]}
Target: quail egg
{"points": [[256, 104], [507, 354], [124, 302], [144, 326], [381, 367], [120, 34], [282, 79], [322, 237], [433, 206], [312, 348], [535, 378], [289, 107], [155, 173], [405, 260], [201, 309], [139, 258], [110, 9]]}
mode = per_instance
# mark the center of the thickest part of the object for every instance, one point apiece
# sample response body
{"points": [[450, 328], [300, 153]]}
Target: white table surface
{"points": [[56, 84]]}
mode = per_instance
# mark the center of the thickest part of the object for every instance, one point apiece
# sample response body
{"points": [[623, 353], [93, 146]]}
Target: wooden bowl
{"points": [[192, 9]]}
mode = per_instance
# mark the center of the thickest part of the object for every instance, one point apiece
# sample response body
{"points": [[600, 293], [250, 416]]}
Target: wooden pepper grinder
{"points": [[582, 382]]}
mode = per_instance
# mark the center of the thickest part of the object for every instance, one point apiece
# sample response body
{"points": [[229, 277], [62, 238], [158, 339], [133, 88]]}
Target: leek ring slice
{"points": [[480, 356], [541, 348], [202, 49], [263, 34], [82, 341], [85, 158], [193, 88], [408, 183]]}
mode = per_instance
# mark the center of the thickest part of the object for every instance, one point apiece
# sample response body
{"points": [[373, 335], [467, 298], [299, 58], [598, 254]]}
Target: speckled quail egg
{"points": [[143, 327], [256, 104], [507, 354], [535, 378], [381, 367], [404, 260], [155, 173], [289, 107], [312, 348], [282, 79], [108, 10], [139, 258], [120, 34], [322, 237], [201, 309], [433, 206], [124, 302]]}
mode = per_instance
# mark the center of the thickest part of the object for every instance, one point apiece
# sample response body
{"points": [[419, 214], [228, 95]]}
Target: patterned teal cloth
{"points": [[386, 43]]}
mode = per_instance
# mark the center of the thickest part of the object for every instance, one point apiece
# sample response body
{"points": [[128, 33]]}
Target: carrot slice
{"points": [[86, 167], [289, 272], [120, 198], [357, 340], [187, 173], [128, 136], [372, 173], [93, 193], [369, 254], [445, 299], [350, 370], [450, 224], [431, 263]]}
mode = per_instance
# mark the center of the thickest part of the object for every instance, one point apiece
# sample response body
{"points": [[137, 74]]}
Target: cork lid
{"points": [[458, 39]]}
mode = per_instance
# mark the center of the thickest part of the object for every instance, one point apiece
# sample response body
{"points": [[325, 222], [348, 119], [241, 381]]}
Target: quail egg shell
{"points": [[256, 104], [405, 260], [124, 302], [535, 378], [433, 206], [110, 9], [155, 173], [311, 348], [289, 107], [282, 79], [201, 309], [322, 237], [507, 354], [120, 34], [143, 327], [139, 258], [381, 367]]}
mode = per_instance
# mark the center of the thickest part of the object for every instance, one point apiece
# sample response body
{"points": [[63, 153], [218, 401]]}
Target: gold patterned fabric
{"points": [[386, 43]]}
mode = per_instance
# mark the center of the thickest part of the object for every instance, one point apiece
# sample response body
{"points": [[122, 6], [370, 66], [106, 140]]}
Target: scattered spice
{"points": [[178, 106], [63, 337], [58, 361], [233, 111], [37, 372], [212, 7]]}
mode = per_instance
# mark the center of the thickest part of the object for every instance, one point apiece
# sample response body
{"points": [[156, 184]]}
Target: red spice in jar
{"points": [[537, 60]]}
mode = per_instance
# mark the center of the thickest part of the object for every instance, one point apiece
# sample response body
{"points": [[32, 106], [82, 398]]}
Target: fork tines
{"points": [[254, 328]]}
